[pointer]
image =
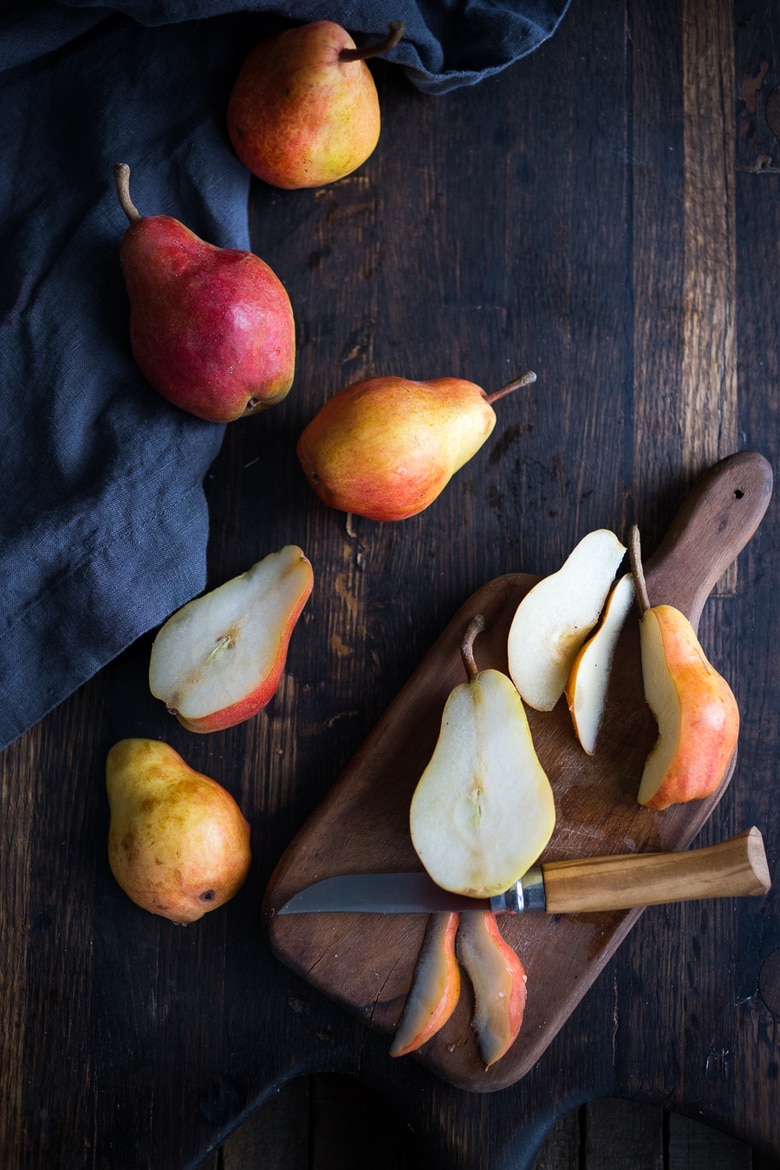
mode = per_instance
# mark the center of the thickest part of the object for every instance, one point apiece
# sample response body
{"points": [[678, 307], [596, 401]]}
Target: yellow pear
{"points": [[483, 809], [694, 707], [178, 844]]}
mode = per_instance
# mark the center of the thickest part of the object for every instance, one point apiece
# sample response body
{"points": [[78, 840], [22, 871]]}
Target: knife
{"points": [[735, 868]]}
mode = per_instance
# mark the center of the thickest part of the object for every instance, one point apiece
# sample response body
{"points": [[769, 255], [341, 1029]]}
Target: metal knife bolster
{"points": [[525, 894]]}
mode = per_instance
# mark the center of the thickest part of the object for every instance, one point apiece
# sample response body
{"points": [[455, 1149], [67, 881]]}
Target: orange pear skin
{"points": [[695, 708]]}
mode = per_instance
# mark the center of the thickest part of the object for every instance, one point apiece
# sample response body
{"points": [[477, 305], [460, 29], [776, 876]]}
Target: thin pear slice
{"points": [[499, 982], [695, 709], [436, 988], [219, 659], [586, 688], [555, 617], [483, 809]]}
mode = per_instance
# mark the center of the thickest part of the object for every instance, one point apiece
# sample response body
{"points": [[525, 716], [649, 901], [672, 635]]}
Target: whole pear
{"points": [[386, 447], [211, 328], [304, 110], [178, 844]]}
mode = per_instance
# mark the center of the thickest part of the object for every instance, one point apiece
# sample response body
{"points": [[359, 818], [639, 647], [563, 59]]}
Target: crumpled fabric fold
{"points": [[103, 519]]}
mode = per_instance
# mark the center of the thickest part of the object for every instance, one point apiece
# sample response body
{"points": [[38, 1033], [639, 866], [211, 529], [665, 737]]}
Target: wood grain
{"points": [[366, 962], [543, 219]]}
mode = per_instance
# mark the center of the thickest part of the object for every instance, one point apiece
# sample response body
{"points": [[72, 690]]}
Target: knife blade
{"points": [[734, 868]]}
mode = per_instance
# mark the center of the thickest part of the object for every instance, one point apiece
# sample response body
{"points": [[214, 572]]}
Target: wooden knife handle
{"points": [[734, 868]]}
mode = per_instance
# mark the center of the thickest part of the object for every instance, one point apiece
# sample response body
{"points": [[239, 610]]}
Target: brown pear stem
{"points": [[395, 30], [122, 180], [637, 571], [524, 380], [475, 626]]}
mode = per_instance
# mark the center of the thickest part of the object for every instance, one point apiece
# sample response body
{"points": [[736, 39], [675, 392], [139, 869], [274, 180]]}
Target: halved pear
{"points": [[483, 809], [586, 687], [219, 659], [555, 617]]}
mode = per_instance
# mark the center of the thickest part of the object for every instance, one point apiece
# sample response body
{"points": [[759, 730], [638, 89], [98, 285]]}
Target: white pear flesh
{"points": [[586, 688], [483, 809], [555, 617], [219, 659]]}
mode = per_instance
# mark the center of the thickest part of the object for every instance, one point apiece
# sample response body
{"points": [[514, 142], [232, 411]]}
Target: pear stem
{"points": [[475, 626], [523, 380], [395, 30], [637, 571], [122, 180]]}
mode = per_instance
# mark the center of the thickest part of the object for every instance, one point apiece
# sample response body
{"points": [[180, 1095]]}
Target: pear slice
{"points": [[555, 617], [499, 981], [695, 709], [586, 688], [483, 809], [219, 660], [436, 987]]}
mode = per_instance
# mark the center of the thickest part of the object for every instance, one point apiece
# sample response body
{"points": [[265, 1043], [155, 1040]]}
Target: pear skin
{"points": [[178, 844], [304, 109], [211, 328], [386, 447]]}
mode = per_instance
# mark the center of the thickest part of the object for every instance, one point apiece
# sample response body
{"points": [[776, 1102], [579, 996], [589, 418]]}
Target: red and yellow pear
{"points": [[483, 809], [386, 447], [178, 844], [211, 328], [695, 709], [436, 987], [219, 659], [304, 110]]}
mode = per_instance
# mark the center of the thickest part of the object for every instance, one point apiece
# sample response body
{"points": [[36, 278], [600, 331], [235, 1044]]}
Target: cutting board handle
{"points": [[734, 868], [720, 514]]}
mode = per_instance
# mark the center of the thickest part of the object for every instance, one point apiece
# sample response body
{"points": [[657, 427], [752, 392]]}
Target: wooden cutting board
{"points": [[366, 962]]}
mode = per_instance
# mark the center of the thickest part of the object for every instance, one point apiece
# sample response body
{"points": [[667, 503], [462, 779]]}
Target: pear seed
{"points": [[224, 643]]}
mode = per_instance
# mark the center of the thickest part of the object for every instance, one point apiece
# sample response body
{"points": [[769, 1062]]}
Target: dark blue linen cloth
{"points": [[103, 520]]}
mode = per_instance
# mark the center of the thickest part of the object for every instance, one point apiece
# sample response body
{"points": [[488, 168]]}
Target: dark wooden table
{"points": [[606, 213]]}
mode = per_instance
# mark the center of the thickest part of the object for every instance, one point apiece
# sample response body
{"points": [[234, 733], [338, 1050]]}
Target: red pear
{"points": [[211, 328]]}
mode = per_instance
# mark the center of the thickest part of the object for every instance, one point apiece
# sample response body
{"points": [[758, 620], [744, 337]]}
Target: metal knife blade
{"points": [[734, 868], [406, 893]]}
